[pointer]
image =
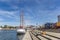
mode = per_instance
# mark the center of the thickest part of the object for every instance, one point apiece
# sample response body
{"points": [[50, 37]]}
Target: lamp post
{"points": [[36, 25]]}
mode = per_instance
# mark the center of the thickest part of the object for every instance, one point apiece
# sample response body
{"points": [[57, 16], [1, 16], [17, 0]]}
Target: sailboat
{"points": [[21, 30]]}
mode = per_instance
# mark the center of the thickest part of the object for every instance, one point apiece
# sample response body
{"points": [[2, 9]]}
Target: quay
{"points": [[27, 36], [36, 35]]}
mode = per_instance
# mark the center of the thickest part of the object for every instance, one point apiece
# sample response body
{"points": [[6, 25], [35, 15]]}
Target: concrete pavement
{"points": [[27, 36], [43, 37], [54, 34]]}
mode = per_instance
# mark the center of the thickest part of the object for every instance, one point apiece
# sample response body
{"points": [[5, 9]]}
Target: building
{"points": [[58, 18], [49, 25], [58, 23]]}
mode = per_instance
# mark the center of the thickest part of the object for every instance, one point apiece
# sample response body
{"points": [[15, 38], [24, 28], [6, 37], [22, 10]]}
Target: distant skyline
{"points": [[35, 11]]}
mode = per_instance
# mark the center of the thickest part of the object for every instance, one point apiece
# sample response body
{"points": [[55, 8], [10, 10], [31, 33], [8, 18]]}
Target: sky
{"points": [[35, 11]]}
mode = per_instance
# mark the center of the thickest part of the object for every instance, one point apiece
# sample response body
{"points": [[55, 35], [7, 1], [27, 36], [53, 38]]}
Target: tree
{"points": [[5, 26], [1, 26]]}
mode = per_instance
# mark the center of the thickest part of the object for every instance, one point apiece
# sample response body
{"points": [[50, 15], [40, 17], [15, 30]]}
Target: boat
{"points": [[21, 30]]}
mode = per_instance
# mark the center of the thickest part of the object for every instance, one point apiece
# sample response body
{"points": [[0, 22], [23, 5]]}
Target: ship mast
{"points": [[21, 19]]}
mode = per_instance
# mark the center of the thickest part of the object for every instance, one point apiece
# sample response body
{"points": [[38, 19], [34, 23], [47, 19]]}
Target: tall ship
{"points": [[21, 28]]}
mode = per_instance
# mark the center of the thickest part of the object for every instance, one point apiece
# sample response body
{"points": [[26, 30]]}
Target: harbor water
{"points": [[8, 35]]}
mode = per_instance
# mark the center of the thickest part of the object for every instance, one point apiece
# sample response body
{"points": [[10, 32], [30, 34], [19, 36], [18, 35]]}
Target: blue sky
{"points": [[35, 11]]}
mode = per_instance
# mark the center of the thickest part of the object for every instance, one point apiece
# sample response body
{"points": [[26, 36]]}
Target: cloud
{"points": [[6, 13], [43, 4], [42, 14], [35, 10], [9, 18], [9, 15], [29, 22]]}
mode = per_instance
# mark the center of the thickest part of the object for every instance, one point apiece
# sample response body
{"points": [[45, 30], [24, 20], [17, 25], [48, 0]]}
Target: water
{"points": [[20, 37], [8, 35]]}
